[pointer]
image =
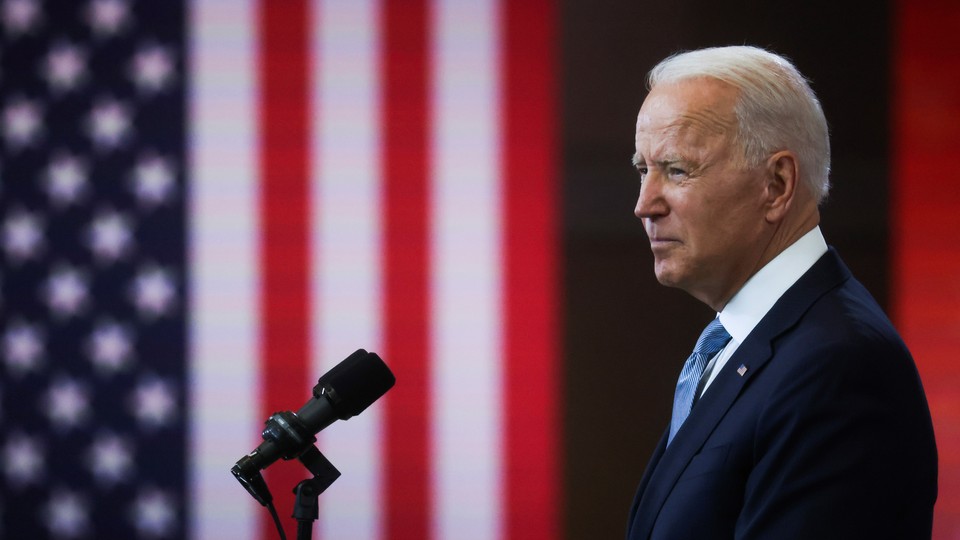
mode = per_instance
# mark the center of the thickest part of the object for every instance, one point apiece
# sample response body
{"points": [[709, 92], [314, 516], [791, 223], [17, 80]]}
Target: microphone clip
{"points": [[306, 507], [286, 436]]}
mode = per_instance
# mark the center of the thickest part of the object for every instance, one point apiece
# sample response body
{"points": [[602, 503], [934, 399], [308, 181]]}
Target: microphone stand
{"points": [[343, 392], [306, 508]]}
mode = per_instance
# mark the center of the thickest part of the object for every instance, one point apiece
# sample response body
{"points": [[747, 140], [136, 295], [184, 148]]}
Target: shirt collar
{"points": [[744, 311]]}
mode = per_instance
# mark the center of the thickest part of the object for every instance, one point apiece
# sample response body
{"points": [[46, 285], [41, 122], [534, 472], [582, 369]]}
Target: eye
{"points": [[642, 171], [676, 171]]}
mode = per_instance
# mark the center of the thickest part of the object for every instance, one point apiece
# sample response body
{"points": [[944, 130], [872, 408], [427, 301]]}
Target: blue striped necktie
{"points": [[713, 338]]}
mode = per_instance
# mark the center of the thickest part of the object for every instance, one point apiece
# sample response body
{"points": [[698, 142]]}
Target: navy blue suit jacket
{"points": [[826, 433]]}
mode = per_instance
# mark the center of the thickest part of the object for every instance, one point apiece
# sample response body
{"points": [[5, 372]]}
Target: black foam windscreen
{"points": [[355, 383]]}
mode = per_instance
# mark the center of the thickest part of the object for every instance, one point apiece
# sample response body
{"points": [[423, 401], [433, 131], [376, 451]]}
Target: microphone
{"points": [[343, 392]]}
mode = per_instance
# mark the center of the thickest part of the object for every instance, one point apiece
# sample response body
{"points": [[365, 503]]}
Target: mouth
{"points": [[659, 238], [658, 243], [662, 240]]}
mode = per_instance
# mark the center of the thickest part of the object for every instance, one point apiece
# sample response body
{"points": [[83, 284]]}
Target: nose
{"points": [[651, 203]]}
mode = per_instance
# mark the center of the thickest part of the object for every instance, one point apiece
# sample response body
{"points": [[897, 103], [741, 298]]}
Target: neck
{"points": [[782, 236]]}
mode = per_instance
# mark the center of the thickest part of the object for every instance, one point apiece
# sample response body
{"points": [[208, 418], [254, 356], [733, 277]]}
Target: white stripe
{"points": [[346, 247], [466, 271], [223, 226]]}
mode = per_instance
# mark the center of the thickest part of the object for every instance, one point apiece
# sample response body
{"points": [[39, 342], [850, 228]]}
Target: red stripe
{"points": [[530, 243], [284, 109], [406, 199], [925, 203]]}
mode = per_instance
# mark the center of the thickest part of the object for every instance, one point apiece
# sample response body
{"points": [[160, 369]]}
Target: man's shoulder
{"points": [[827, 299], [846, 314], [828, 313], [843, 331], [850, 310]]}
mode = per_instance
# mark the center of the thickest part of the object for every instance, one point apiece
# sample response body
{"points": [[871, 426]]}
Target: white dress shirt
{"points": [[752, 302]]}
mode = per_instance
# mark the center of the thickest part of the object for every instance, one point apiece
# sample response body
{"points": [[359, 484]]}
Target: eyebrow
{"points": [[662, 163]]}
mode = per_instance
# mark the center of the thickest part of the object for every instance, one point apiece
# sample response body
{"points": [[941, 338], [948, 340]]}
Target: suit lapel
{"points": [[708, 412], [753, 353]]}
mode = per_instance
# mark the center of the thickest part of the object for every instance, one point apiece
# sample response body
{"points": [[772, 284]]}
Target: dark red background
{"points": [[888, 75]]}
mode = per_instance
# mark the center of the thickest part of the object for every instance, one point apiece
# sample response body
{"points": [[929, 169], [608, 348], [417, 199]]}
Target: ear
{"points": [[783, 183]]}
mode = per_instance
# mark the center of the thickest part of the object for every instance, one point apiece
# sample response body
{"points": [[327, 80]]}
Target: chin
{"points": [[666, 277], [672, 272]]}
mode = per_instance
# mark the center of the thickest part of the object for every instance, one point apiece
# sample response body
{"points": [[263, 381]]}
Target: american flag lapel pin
{"points": [[742, 369]]}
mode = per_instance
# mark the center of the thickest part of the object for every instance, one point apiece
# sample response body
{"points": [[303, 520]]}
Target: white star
{"points": [[110, 236], [67, 514], [153, 180], [153, 513], [22, 347], [22, 123], [22, 235], [66, 179], [20, 16], [23, 460], [153, 292], [110, 459], [108, 17], [110, 124], [110, 347], [67, 403], [65, 67], [66, 291], [152, 68], [153, 403]]}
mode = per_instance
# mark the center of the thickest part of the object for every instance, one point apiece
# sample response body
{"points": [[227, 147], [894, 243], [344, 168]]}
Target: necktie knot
{"points": [[713, 338]]}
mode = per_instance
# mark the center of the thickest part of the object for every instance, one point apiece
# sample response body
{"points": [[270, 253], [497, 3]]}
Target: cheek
{"points": [[712, 236], [731, 238]]}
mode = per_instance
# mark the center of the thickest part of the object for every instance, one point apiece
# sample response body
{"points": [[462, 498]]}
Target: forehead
{"points": [[693, 111]]}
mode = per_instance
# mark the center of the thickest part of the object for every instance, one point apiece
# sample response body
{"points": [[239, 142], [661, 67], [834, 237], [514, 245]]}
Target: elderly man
{"points": [[800, 413]]}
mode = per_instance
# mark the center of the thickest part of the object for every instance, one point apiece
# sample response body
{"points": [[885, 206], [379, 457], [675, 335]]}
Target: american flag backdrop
{"points": [[206, 205], [94, 307]]}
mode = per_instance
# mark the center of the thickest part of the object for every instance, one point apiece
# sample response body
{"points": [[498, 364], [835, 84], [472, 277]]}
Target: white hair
{"points": [[776, 109]]}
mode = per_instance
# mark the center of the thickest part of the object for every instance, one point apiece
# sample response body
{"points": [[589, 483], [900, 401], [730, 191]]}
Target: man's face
{"points": [[702, 208]]}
